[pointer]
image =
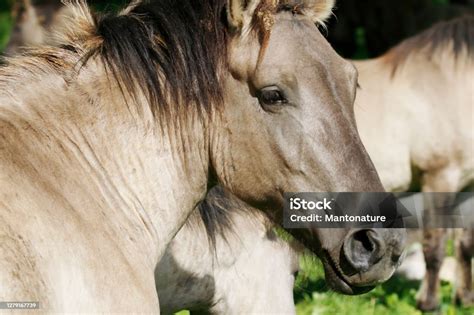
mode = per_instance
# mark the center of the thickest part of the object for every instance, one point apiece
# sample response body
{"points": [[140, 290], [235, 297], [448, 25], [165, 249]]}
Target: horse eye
{"points": [[271, 96]]}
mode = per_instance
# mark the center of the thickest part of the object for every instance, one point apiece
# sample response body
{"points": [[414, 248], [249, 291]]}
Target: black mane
{"points": [[214, 212], [171, 50]]}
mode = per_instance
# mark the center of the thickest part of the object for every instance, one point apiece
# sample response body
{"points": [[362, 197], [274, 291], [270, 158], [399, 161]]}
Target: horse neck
{"points": [[254, 239], [387, 85], [106, 161], [375, 78], [191, 256]]}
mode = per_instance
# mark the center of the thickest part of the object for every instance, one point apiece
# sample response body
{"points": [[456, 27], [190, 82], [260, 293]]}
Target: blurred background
{"points": [[360, 29]]}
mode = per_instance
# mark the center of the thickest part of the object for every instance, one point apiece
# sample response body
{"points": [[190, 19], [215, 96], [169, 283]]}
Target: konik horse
{"points": [[111, 140], [223, 243], [237, 266], [418, 100]]}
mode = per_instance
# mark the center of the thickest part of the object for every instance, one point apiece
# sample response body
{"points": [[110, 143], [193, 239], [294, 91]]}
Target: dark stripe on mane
{"points": [[459, 32], [172, 51], [214, 213]]}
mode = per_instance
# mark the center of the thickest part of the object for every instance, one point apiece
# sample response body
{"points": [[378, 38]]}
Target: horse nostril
{"points": [[362, 237], [363, 249], [396, 259]]}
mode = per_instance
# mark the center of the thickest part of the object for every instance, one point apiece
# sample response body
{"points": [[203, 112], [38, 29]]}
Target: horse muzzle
{"points": [[366, 258]]}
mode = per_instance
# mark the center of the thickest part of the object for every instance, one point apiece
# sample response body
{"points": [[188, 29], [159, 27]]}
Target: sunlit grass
{"points": [[395, 297]]}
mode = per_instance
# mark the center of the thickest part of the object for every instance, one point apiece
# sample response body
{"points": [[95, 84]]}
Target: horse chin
{"points": [[337, 282]]}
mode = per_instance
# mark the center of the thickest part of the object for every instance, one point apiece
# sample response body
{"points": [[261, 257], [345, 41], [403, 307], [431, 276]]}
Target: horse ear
{"points": [[318, 10], [240, 12]]}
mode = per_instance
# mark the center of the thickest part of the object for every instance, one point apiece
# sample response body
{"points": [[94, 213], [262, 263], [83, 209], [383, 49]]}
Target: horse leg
{"points": [[464, 253], [434, 239], [433, 249]]}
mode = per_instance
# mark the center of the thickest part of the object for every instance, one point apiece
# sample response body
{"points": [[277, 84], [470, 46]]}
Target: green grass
{"points": [[5, 22], [395, 297], [5, 28]]}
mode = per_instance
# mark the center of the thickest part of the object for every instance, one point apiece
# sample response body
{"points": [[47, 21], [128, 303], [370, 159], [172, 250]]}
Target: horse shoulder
{"points": [[21, 278]]}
